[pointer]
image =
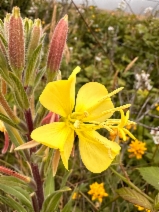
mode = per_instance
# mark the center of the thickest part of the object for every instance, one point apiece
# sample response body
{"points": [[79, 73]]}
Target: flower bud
{"points": [[35, 37], [16, 42], [57, 45]]}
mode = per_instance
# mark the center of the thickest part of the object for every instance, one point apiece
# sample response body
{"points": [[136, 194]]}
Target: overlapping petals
{"points": [[92, 111]]}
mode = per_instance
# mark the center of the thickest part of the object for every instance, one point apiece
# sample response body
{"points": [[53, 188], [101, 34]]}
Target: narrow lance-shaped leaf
{"points": [[12, 203], [28, 23], [31, 88], [31, 68], [19, 92], [52, 201], [7, 120]]}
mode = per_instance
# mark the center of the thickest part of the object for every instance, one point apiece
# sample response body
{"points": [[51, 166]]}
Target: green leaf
{"points": [[52, 201], [20, 194], [4, 74], [13, 181], [37, 80], [7, 120], [31, 68], [38, 77], [14, 136], [150, 175], [134, 197], [12, 203], [65, 178], [156, 203], [3, 40], [19, 92], [49, 184]]}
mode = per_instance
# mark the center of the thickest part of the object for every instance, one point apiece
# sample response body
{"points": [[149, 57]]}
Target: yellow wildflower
{"points": [[92, 111], [142, 208], [97, 191], [157, 108], [76, 195], [137, 149]]}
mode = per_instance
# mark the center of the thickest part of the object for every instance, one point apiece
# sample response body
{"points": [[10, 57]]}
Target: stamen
{"points": [[106, 97], [112, 110], [111, 94], [129, 133], [77, 124]]}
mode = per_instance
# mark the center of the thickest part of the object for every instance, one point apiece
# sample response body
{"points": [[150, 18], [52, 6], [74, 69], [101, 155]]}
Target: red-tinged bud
{"points": [[35, 37], [16, 42], [50, 118], [6, 143], [10, 172], [57, 45]]}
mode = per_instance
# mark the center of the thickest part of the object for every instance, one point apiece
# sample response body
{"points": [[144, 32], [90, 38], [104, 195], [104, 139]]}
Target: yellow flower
{"points": [[142, 208], [97, 191], [92, 111], [157, 108], [76, 195], [137, 149]]}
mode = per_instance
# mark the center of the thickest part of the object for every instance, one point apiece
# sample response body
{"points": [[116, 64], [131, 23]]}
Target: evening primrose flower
{"points": [[97, 191], [92, 111], [137, 149]]}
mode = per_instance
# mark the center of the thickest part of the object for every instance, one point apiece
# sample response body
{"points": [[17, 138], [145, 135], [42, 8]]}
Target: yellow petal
{"points": [[97, 152], [53, 135], [59, 96], [65, 154], [88, 99]]}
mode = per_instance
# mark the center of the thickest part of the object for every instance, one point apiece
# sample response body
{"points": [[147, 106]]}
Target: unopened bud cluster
{"points": [[21, 44]]}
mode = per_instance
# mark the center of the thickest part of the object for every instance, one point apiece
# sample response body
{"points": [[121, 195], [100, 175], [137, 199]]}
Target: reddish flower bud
{"points": [[57, 45], [10, 172], [50, 118], [16, 42], [35, 37]]}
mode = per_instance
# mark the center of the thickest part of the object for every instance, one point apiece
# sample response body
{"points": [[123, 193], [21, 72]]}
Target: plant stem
{"points": [[132, 185], [34, 167], [34, 202]]}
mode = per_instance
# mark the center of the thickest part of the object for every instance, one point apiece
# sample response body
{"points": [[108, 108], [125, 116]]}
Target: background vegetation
{"points": [[104, 44]]}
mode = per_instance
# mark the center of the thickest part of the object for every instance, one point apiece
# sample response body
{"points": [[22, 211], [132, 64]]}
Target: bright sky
{"points": [[138, 6]]}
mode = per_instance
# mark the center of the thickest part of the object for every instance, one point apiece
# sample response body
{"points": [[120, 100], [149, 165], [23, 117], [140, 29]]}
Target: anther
{"points": [[77, 124]]}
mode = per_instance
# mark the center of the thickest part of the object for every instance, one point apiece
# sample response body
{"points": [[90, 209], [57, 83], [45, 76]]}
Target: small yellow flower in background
{"points": [[157, 108], [92, 112], [97, 191], [76, 195], [142, 208], [137, 149]]}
